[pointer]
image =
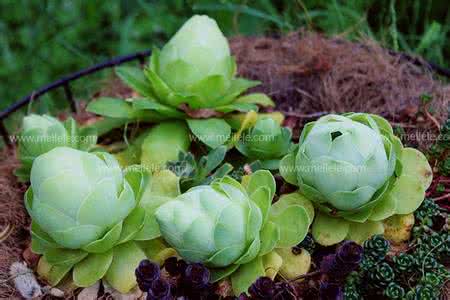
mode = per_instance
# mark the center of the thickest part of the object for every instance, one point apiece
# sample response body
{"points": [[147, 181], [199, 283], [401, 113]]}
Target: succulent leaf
{"points": [[92, 268], [163, 143]]}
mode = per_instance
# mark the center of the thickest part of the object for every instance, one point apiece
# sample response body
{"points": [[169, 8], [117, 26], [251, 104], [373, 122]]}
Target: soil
{"points": [[308, 75], [14, 220]]}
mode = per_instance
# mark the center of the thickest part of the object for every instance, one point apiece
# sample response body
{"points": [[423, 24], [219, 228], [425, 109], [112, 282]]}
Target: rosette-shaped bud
{"points": [[267, 141], [146, 273], [216, 232], [192, 77], [355, 170], [85, 215], [346, 260], [41, 134], [404, 262], [229, 227], [263, 288], [195, 67], [425, 292], [77, 196], [376, 247], [394, 291], [382, 275]]}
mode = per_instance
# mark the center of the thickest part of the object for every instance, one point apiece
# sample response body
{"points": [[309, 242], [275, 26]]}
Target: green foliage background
{"points": [[41, 40]]}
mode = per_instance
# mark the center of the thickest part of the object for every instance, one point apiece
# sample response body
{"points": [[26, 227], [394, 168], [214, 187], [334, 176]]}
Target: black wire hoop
{"points": [[64, 82]]}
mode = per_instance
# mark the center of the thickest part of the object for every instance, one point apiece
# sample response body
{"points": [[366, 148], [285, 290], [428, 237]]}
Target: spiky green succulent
{"points": [[382, 275], [376, 247], [404, 262], [231, 227], [394, 291], [424, 292], [357, 173], [41, 134], [192, 172], [351, 292]]}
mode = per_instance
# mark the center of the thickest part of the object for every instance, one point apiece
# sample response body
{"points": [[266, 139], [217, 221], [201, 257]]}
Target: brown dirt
{"points": [[12, 213], [309, 75]]}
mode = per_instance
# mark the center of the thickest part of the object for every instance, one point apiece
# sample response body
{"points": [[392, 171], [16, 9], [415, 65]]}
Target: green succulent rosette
{"points": [[394, 291], [196, 68], [266, 142], [88, 218], [41, 134], [357, 173], [233, 228], [192, 77]]}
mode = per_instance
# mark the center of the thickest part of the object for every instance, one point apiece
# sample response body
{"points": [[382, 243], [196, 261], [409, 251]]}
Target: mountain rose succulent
{"points": [[357, 172], [85, 216]]}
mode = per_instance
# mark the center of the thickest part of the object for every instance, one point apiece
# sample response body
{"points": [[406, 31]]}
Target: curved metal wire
{"points": [[64, 82]]}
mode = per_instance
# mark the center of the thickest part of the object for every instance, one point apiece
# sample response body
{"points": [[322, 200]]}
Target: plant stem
{"points": [[307, 275]]}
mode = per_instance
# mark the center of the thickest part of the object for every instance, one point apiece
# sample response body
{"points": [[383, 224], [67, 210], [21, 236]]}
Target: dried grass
{"points": [[309, 75]]}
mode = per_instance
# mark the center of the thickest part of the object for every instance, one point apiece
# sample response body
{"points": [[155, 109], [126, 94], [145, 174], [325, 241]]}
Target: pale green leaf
{"points": [[359, 232], [256, 98], [287, 169], [328, 230], [111, 107], [120, 274], [212, 132], [243, 278], [270, 235], [415, 164], [135, 79], [92, 268], [293, 223]]}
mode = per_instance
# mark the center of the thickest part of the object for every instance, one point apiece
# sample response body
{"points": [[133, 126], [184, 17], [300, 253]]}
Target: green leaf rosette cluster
{"points": [[41, 134], [192, 77], [266, 142], [196, 68], [232, 227], [357, 173], [86, 218]]}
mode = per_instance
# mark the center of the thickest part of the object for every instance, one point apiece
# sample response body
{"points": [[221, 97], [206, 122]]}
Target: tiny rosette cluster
{"points": [[85, 214], [195, 67], [41, 134], [355, 170], [267, 141], [230, 226]]}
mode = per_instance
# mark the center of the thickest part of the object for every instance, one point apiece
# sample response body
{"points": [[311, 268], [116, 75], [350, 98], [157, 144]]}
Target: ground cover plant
{"points": [[210, 196]]}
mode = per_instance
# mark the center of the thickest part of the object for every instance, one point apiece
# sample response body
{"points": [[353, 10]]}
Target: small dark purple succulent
{"points": [[171, 266], [146, 273], [182, 265], [243, 296], [263, 289], [159, 290], [347, 259], [330, 291], [350, 253], [197, 275]]}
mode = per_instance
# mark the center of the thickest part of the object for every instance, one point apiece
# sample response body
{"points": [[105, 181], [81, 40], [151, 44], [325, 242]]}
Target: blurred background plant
{"points": [[42, 40]]}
